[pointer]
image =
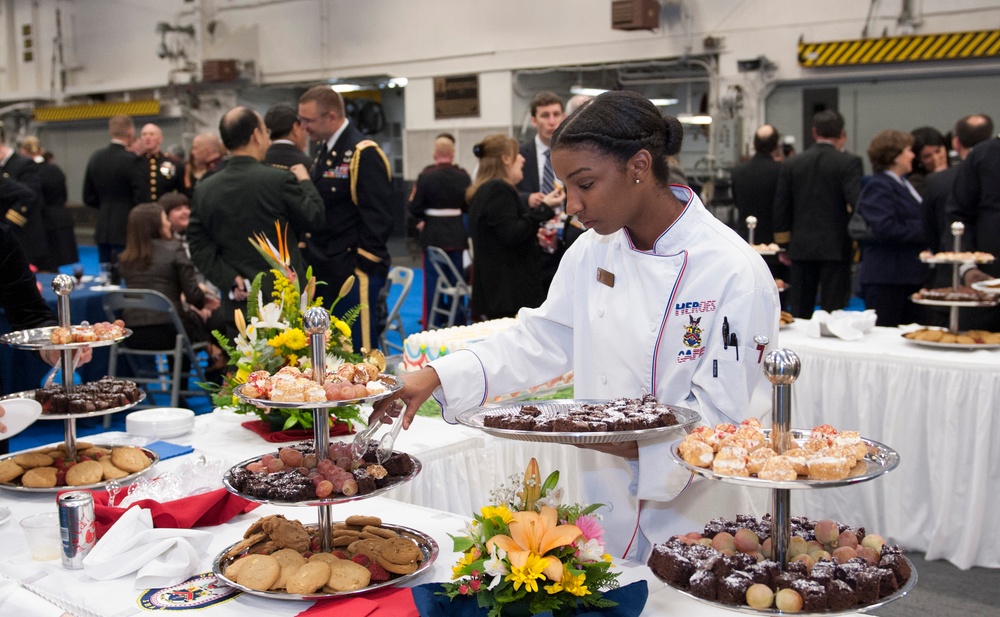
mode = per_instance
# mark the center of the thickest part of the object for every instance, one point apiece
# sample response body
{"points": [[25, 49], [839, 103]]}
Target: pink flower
{"points": [[590, 528]]}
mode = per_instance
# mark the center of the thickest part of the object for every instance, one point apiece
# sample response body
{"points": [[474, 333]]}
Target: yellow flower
{"points": [[241, 374], [293, 339], [341, 325], [501, 512], [528, 573], [469, 557], [575, 584], [532, 535]]}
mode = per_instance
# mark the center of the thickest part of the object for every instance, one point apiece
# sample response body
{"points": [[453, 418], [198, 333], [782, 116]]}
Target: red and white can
{"points": [[78, 527]]}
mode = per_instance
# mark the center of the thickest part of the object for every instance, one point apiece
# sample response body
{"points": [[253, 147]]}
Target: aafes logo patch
{"points": [[197, 592], [691, 308]]}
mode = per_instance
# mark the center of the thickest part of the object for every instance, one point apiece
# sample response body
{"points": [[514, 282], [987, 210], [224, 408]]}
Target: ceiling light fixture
{"points": [[693, 119], [345, 87], [663, 102], [586, 91]]}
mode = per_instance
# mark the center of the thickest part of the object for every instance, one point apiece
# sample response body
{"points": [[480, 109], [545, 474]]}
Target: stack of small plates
{"points": [[160, 422]]}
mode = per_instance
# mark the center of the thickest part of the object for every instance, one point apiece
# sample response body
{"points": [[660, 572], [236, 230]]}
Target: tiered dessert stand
{"points": [[316, 321], [957, 230], [782, 369], [38, 339]]}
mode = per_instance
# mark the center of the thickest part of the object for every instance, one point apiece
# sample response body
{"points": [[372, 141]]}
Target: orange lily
{"points": [[279, 257], [536, 533]]}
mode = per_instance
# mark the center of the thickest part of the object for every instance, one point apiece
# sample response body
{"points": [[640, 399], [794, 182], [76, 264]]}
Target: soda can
{"points": [[77, 526]]}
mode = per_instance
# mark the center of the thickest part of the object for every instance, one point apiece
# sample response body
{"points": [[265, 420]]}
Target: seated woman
{"points": [[153, 260], [890, 268], [506, 269]]}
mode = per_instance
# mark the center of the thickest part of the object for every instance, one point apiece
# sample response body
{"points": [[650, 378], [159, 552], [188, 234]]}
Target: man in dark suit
{"points": [[26, 216], [245, 198], [754, 185], [111, 186], [157, 172], [817, 191], [354, 178], [288, 138]]}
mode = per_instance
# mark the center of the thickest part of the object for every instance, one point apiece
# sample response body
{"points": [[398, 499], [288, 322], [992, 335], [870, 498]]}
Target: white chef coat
{"points": [[658, 329]]}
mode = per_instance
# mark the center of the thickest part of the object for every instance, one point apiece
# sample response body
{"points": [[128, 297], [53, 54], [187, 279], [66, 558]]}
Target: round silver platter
{"points": [[474, 418], [957, 346], [991, 286], [899, 593], [227, 481], [959, 303], [154, 458], [880, 460], [30, 394], [40, 339], [427, 546], [391, 382]]}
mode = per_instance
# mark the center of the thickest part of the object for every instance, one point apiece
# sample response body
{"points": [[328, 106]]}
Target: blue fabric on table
{"points": [[631, 600], [165, 449]]}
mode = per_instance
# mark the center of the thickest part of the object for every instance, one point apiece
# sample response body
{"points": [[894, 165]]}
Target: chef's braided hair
{"points": [[619, 124]]}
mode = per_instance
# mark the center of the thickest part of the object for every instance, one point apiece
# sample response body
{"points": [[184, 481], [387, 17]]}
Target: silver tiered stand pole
{"points": [[782, 368], [62, 285], [957, 229], [751, 226], [316, 322]]}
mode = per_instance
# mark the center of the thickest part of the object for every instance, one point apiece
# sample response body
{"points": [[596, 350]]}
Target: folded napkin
{"points": [[631, 600], [202, 510], [165, 449], [159, 557], [846, 325], [386, 602], [294, 434]]}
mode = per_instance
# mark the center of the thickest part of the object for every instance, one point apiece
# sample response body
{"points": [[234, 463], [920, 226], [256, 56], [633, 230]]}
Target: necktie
{"points": [[319, 161], [548, 178]]}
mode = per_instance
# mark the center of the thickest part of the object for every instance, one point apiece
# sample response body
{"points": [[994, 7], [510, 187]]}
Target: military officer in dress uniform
{"points": [[353, 177], [158, 172]]}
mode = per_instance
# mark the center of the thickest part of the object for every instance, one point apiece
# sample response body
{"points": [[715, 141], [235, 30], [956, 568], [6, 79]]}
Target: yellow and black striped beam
{"points": [[68, 113], [899, 49]]}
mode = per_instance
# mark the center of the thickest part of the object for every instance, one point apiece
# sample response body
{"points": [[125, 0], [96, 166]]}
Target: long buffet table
{"points": [[940, 409], [458, 472]]}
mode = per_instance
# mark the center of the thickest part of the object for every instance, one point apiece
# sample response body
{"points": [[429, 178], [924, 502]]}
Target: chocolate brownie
{"points": [[705, 585], [814, 596], [733, 588], [840, 596]]}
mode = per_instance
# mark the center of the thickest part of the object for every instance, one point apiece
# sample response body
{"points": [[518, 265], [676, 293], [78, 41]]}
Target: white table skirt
{"points": [[938, 409]]}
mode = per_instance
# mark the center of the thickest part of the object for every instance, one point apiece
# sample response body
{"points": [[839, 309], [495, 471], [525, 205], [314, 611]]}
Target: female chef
{"points": [[657, 296]]}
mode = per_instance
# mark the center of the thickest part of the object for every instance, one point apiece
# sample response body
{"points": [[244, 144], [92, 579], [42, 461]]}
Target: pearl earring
{"points": [[637, 180]]}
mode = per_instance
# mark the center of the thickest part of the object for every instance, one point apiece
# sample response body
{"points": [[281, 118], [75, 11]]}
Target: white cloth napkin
{"points": [[846, 325], [160, 557]]}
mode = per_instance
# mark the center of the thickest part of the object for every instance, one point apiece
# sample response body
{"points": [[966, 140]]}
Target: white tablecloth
{"points": [[940, 409]]}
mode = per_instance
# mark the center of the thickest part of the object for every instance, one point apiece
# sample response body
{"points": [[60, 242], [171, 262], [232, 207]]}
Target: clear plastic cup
{"points": [[42, 532]]}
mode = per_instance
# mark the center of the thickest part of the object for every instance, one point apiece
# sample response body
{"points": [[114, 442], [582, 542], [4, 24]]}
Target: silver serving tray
{"points": [[474, 418], [154, 458], [880, 460], [956, 346], [30, 394], [959, 303], [40, 339], [991, 286], [899, 593], [427, 545], [392, 384], [227, 481]]}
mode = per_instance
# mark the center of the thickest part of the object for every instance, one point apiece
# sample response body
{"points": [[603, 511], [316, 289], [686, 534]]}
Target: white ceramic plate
{"points": [[160, 422], [991, 286], [19, 414]]}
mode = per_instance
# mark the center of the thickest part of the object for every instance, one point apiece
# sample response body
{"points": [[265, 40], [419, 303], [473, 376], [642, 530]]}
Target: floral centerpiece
{"points": [[527, 551], [273, 336]]}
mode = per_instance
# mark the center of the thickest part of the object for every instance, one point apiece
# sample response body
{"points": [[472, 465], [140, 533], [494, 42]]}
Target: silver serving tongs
{"points": [[385, 444]]}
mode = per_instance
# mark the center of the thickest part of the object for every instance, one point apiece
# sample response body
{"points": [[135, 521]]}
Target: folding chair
{"points": [[451, 285], [398, 275], [165, 373]]}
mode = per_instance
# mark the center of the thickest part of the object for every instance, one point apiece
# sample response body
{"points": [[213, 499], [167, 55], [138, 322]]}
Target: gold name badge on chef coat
{"points": [[605, 277]]}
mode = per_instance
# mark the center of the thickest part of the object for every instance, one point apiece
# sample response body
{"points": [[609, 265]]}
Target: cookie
{"points": [[341, 541], [325, 557], [347, 576], [130, 459], [290, 560], [363, 521], [309, 578], [397, 568], [86, 472], [233, 569], [33, 459], [370, 547], [259, 572], [110, 471], [39, 477], [246, 543], [95, 452], [337, 526], [401, 550], [9, 470], [380, 532]]}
